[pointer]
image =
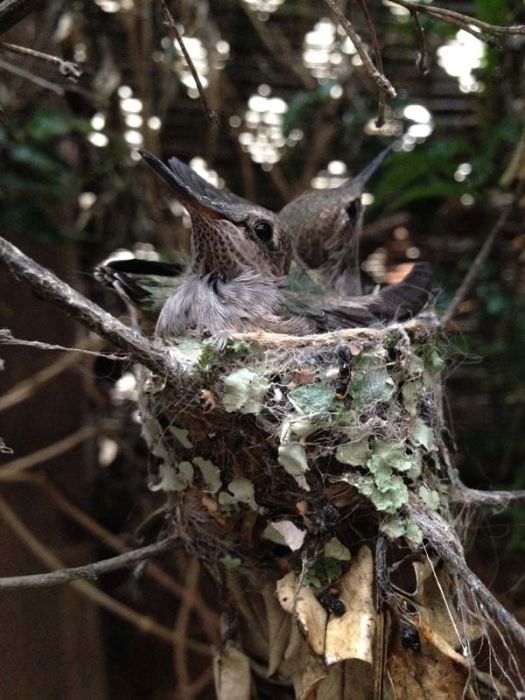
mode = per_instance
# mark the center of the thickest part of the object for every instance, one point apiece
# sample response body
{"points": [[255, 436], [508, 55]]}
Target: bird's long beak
{"points": [[359, 181], [180, 178]]}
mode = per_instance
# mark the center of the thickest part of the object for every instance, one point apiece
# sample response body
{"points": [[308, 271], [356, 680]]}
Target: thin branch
{"points": [[35, 79], [13, 468], [444, 541], [168, 20], [27, 387], [13, 11], [191, 583], [66, 68], [145, 624], [491, 499], [476, 267], [6, 338], [89, 571], [279, 47], [380, 119], [461, 20], [47, 285], [422, 59], [109, 539], [380, 79]]}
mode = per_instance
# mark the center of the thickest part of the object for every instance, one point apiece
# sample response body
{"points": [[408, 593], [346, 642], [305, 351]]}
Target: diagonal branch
{"points": [[476, 267], [382, 82], [168, 20], [13, 11], [47, 286]]}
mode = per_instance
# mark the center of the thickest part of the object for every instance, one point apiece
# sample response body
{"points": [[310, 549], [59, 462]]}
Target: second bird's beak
{"points": [[180, 178]]}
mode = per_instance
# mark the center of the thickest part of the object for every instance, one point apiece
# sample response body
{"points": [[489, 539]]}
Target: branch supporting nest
{"points": [[47, 286]]}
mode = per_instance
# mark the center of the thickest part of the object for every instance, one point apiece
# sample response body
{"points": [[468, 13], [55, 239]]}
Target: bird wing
{"points": [[397, 302]]}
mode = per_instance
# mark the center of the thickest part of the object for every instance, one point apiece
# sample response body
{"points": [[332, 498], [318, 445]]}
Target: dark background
{"points": [[72, 192]]}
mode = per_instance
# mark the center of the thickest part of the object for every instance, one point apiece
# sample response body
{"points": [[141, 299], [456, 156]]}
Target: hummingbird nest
{"points": [[312, 475]]}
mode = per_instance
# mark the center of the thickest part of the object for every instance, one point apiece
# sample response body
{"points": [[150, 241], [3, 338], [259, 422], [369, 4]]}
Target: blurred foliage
{"points": [[36, 177]]}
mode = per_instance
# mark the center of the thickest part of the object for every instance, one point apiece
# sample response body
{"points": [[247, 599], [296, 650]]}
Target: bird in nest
{"points": [[238, 279]]}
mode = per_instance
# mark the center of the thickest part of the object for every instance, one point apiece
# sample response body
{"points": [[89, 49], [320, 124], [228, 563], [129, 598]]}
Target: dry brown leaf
{"points": [[440, 616], [350, 680], [351, 636], [231, 671], [424, 674], [309, 613], [279, 629]]}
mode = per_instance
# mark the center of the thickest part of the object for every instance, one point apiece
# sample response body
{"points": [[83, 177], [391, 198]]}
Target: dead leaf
{"points": [[351, 636], [232, 674], [279, 629], [309, 613]]}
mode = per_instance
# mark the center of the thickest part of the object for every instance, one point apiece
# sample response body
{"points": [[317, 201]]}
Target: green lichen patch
{"points": [[244, 391], [316, 398], [174, 478], [181, 435], [356, 453], [239, 492], [371, 382], [334, 549], [292, 457], [429, 497], [210, 473]]}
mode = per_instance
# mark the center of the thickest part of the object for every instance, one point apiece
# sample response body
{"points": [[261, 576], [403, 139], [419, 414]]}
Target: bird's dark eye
{"points": [[263, 231]]}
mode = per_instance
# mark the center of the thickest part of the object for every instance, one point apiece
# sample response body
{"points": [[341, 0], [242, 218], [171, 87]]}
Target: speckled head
{"points": [[230, 235]]}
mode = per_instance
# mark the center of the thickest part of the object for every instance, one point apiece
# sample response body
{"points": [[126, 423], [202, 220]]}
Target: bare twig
{"points": [[191, 582], [48, 286], [380, 119], [476, 267], [145, 624], [422, 59], [109, 539], [66, 68], [13, 11], [168, 20], [460, 20], [382, 82], [27, 387], [35, 79], [89, 571], [7, 471], [6, 338]]}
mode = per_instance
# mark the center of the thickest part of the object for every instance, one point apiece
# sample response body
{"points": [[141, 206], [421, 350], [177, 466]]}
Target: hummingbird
{"points": [[326, 226], [238, 279]]}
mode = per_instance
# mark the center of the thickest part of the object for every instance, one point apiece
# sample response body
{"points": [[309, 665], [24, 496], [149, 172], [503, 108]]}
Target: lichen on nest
{"points": [[300, 470], [291, 444]]}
